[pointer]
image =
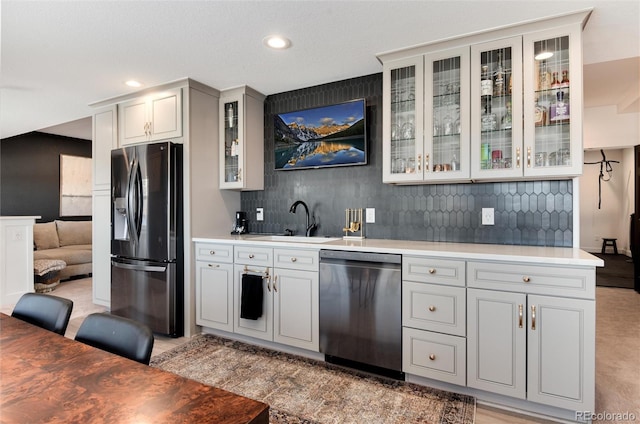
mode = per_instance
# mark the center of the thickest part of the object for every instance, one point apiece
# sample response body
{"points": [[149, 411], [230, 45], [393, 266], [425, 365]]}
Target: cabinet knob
{"points": [[212, 252], [294, 259], [526, 279], [251, 256], [432, 308], [432, 270], [432, 357]]}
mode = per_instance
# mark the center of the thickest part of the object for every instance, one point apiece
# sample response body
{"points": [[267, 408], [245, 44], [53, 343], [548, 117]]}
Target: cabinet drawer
{"points": [[306, 260], [433, 355], [214, 252], [251, 255], [433, 307], [431, 270], [536, 279]]}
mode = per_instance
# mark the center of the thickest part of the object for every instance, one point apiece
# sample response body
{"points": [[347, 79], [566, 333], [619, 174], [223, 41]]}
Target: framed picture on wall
{"points": [[75, 186]]}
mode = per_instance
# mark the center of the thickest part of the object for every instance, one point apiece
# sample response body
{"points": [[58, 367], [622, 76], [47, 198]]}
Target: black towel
{"points": [[251, 297]]}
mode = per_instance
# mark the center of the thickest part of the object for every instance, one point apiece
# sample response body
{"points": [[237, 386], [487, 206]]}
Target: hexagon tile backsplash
{"points": [[537, 213]]}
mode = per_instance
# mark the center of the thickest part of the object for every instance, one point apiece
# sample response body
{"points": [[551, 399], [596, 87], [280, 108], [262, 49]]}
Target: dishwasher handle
{"points": [[340, 255]]}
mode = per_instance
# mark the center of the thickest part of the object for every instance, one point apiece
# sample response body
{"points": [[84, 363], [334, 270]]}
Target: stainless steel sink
{"points": [[296, 239]]}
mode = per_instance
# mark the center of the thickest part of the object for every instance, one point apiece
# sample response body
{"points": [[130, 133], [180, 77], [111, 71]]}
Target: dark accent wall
{"points": [[30, 173], [538, 213]]}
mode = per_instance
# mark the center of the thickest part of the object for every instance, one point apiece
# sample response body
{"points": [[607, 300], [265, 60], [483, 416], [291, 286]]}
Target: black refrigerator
{"points": [[146, 236]]}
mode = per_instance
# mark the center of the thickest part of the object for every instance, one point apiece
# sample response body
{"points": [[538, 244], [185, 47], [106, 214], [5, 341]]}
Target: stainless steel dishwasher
{"points": [[361, 311]]}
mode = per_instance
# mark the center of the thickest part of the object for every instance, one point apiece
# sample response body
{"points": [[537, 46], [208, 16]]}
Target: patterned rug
{"points": [[300, 390]]}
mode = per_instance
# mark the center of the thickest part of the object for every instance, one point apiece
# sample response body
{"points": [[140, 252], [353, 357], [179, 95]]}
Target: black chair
{"points": [[118, 335], [44, 310]]}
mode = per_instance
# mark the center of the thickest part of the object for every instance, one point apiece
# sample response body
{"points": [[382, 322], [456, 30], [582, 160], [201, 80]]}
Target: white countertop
{"points": [[468, 251]]}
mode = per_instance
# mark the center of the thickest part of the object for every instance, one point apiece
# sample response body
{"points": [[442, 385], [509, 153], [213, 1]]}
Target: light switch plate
{"points": [[487, 216], [370, 215], [259, 214]]}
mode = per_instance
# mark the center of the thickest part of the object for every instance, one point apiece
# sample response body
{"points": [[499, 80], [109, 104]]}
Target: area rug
{"points": [[302, 390]]}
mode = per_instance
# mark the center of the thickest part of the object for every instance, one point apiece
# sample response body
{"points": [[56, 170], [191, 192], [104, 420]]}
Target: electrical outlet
{"points": [[487, 216], [370, 217], [259, 214]]}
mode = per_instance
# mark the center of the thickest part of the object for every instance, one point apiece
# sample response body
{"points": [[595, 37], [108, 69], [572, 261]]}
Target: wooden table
{"points": [[45, 377]]}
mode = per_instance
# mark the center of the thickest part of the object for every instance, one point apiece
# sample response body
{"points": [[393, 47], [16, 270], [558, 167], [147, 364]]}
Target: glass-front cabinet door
{"points": [[553, 103], [232, 146], [402, 116], [496, 109], [446, 150]]}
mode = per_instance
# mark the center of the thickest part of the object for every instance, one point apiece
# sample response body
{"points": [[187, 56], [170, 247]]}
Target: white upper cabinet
{"points": [[486, 106], [496, 109], [105, 139], [402, 121], [151, 118], [553, 102], [241, 139]]}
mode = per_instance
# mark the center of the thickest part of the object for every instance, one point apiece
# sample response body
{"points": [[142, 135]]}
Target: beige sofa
{"points": [[69, 241]]}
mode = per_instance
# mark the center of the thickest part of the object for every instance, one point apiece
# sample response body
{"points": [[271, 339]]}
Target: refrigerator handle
{"points": [[130, 203], [139, 198], [149, 268]]}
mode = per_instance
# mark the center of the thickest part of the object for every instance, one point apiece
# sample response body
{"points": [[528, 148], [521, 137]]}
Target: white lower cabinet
{"points": [[290, 297], [214, 286], [539, 348], [433, 318]]}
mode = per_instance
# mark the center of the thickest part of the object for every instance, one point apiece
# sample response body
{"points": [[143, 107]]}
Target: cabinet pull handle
{"points": [[526, 279], [239, 174], [426, 163], [275, 278], [432, 357], [419, 163], [251, 256], [517, 157], [269, 283], [533, 317], [213, 265], [520, 308], [528, 157], [294, 259], [432, 270], [432, 308]]}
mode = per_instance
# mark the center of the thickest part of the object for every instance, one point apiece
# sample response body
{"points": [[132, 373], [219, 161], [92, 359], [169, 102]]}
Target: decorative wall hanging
{"points": [[75, 186], [605, 165]]}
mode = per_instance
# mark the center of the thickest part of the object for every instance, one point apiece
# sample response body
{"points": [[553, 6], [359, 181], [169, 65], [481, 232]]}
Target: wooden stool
{"points": [[609, 242]]}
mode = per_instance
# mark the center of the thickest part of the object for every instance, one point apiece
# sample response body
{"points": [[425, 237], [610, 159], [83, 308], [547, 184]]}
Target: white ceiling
{"points": [[57, 57]]}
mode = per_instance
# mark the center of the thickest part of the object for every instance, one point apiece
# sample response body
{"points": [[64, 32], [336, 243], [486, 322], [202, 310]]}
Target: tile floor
{"points": [[617, 350]]}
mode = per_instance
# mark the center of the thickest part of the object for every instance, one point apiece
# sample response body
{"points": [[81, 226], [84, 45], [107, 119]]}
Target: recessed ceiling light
{"points": [[277, 42], [133, 83]]}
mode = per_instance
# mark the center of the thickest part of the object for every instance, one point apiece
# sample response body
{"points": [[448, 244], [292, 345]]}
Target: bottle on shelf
{"points": [[455, 165], [544, 77], [498, 78], [554, 80], [539, 114], [507, 119], [230, 115], [488, 119], [565, 79], [559, 110], [486, 84]]}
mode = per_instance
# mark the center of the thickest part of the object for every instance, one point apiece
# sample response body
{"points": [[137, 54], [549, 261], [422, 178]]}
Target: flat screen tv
{"points": [[332, 135]]}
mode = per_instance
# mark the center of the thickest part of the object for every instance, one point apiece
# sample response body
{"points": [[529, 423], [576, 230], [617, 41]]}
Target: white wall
{"points": [[604, 128], [613, 218]]}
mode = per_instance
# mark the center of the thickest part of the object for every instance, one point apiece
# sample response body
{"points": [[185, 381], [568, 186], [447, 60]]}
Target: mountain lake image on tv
{"points": [[332, 135]]}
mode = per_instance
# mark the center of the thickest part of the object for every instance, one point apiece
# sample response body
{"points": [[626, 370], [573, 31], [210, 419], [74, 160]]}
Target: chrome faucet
{"points": [[310, 227]]}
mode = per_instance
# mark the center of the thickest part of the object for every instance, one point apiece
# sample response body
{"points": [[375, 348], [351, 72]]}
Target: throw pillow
{"points": [[74, 232], [45, 236]]}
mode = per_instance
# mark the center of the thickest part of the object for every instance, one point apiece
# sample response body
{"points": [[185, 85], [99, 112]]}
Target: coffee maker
{"points": [[240, 224]]}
